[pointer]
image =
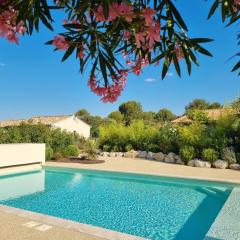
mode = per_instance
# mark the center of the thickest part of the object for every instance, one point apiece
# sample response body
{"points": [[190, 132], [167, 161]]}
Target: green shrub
{"points": [[210, 155], [187, 153], [229, 155], [115, 148], [48, 153], [71, 150], [57, 156], [128, 148], [238, 157], [106, 148], [91, 149]]}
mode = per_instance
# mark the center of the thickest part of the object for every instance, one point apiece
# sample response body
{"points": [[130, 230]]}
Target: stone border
{"points": [[70, 225], [227, 223]]}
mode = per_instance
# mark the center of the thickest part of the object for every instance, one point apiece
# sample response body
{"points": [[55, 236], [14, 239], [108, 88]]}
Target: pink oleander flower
{"points": [[127, 35], [148, 14], [115, 10], [9, 28], [60, 42], [153, 35], [81, 54], [99, 14], [179, 52], [140, 39]]}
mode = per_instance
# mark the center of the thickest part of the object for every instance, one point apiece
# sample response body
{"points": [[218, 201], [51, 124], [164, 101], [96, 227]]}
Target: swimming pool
{"points": [[157, 208]]}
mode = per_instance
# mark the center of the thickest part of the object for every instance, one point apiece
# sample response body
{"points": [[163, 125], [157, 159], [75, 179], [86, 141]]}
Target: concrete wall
{"points": [[23, 153], [73, 124]]}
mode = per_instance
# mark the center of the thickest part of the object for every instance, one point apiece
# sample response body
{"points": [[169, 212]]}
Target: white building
{"points": [[69, 123]]}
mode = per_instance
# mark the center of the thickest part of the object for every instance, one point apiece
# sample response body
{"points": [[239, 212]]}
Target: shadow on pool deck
{"points": [[198, 224]]}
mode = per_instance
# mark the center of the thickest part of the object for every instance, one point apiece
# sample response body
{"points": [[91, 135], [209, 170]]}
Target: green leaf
{"points": [[237, 66], [177, 16], [213, 8], [68, 53]]}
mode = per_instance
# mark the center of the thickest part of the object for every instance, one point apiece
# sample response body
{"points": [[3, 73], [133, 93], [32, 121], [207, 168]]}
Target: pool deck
{"points": [[17, 224], [135, 165]]}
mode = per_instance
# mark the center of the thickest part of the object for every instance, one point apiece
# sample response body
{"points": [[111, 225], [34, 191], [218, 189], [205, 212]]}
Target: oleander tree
{"points": [[114, 37]]}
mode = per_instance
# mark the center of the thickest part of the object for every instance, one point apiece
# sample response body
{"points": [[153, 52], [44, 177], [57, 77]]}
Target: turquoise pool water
{"points": [[157, 208]]}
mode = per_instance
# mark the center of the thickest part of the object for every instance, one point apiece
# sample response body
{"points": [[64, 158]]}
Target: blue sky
{"points": [[35, 82]]}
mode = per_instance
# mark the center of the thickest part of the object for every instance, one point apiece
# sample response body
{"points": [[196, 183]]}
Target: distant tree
{"points": [[165, 115], [198, 115], [117, 116], [82, 113], [215, 105], [148, 116], [130, 110], [236, 105], [197, 103]]}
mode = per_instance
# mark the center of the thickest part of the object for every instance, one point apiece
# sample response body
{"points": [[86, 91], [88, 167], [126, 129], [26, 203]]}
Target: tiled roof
{"points": [[213, 114], [47, 120]]}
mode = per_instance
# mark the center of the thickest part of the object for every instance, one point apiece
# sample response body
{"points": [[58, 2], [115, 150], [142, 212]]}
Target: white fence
{"points": [[20, 154]]}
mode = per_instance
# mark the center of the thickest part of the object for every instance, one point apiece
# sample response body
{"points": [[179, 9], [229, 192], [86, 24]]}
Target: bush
{"points": [[187, 153], [91, 149], [115, 149], [106, 148], [48, 153], [229, 155], [238, 157], [57, 156], [128, 148], [71, 150], [210, 155]]}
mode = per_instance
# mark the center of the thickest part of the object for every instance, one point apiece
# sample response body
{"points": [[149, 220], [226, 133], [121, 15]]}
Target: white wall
{"points": [[73, 124], [23, 153]]}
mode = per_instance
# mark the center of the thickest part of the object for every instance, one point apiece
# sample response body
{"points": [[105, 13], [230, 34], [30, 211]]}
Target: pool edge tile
{"points": [[227, 224], [71, 225]]}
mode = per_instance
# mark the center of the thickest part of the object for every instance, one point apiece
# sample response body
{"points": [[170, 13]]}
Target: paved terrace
{"points": [[17, 224], [136, 165]]}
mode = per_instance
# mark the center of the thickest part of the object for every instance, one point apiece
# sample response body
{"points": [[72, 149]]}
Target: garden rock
{"points": [[201, 164], [159, 156], [235, 166], [220, 164], [143, 154], [179, 160], [191, 163], [150, 155], [131, 154], [170, 158], [112, 154], [119, 154], [105, 154]]}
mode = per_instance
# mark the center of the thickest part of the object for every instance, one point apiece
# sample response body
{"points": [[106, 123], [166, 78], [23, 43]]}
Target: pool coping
{"points": [[227, 223], [70, 225]]}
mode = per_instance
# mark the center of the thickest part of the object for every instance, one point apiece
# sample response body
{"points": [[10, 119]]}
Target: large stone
{"points": [[150, 155], [220, 164], [179, 160], [235, 166], [143, 154], [119, 154], [159, 156], [131, 154], [170, 158], [105, 154], [191, 163], [201, 164], [112, 154]]}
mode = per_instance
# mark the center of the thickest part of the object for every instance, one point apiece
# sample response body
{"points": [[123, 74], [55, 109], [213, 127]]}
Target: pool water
{"points": [[157, 208]]}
